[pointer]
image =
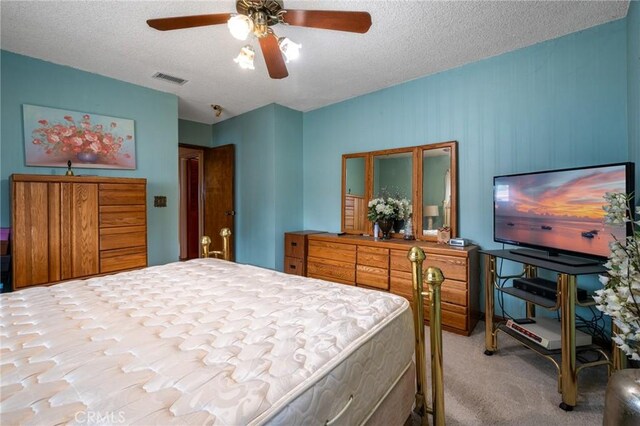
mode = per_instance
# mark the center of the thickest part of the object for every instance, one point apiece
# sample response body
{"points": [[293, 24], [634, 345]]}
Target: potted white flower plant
{"points": [[620, 297], [383, 211]]}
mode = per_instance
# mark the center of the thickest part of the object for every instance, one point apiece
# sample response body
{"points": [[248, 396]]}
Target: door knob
{"points": [[230, 213]]}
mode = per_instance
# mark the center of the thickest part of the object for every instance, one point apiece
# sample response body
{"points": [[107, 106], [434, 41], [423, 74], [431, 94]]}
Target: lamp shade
{"points": [[290, 49], [245, 57], [240, 26], [431, 211]]}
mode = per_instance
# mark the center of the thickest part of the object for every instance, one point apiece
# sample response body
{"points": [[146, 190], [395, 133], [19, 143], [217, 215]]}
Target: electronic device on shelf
{"points": [[559, 212], [546, 332], [459, 242], [544, 288]]}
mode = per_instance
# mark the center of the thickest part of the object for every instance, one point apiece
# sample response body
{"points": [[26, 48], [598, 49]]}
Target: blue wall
{"points": [[32, 81], [268, 192], [560, 103], [194, 133], [633, 87]]}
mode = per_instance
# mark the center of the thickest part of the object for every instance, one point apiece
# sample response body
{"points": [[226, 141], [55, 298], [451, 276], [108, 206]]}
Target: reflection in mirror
{"points": [[354, 194], [393, 175], [436, 190]]}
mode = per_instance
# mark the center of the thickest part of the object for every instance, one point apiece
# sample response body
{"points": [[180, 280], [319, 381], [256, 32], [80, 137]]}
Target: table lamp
{"points": [[431, 212]]}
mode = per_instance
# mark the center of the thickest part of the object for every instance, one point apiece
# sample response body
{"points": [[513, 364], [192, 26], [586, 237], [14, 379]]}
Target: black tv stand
{"points": [[555, 257]]}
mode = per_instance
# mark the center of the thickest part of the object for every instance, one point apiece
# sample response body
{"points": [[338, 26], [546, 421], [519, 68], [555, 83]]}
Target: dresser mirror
{"points": [[439, 195], [426, 175], [393, 175], [355, 193]]}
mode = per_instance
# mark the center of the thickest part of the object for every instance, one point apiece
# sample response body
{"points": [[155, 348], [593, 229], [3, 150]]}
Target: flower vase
{"points": [[621, 404], [87, 157], [385, 227]]}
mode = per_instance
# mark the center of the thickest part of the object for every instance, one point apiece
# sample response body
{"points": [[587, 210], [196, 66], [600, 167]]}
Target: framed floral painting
{"points": [[55, 136]]}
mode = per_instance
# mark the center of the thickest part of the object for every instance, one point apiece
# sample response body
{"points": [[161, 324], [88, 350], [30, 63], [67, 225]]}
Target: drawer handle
{"points": [[292, 266], [337, 416], [294, 244]]}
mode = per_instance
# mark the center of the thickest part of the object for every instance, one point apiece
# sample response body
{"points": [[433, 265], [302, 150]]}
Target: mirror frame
{"points": [[368, 184], [453, 167], [417, 190]]}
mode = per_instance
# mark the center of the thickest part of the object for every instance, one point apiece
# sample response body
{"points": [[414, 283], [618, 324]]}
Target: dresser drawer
{"points": [[454, 268], [122, 215], [399, 261], [334, 251], [373, 256], [293, 266], [452, 316], [332, 270], [294, 245], [118, 260], [451, 291], [123, 237], [372, 276], [121, 193]]}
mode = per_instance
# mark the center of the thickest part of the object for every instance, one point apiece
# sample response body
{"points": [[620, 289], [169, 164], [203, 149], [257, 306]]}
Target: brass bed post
{"points": [[434, 279], [225, 233]]}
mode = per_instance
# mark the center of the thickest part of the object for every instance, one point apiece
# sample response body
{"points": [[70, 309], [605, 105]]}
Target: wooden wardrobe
{"points": [[66, 227]]}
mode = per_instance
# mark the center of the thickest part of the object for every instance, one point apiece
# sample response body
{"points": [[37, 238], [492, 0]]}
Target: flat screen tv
{"points": [[560, 211]]}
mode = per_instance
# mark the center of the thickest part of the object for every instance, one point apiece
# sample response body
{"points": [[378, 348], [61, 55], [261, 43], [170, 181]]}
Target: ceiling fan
{"points": [[257, 17]]}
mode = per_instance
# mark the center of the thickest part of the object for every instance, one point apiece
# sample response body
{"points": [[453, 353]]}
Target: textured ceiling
{"points": [[408, 39]]}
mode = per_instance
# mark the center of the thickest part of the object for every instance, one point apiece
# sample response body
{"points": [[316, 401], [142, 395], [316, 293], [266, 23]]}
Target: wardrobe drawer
{"points": [[122, 215], [118, 260], [123, 237], [294, 245], [122, 193], [293, 266]]}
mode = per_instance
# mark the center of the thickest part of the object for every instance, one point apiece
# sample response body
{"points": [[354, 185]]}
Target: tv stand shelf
{"points": [[566, 304]]}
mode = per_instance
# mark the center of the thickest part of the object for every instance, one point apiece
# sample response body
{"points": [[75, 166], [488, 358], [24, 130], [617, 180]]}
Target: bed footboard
{"points": [[434, 279], [225, 233]]}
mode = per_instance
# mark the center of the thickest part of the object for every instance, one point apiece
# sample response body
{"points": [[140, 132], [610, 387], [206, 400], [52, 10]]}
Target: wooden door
{"points": [[30, 236], [193, 208], [191, 159], [219, 169], [79, 242]]}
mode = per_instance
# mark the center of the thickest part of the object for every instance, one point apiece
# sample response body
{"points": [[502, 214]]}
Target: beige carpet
{"points": [[515, 386]]}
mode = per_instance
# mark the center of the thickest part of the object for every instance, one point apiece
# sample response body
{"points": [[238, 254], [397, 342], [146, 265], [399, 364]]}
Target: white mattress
{"points": [[199, 342]]}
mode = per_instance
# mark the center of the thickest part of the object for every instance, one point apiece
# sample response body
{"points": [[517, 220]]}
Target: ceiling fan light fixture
{"points": [[290, 49], [245, 58], [240, 26]]}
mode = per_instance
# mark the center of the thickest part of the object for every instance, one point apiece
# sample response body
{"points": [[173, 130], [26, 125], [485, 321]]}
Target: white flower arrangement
{"points": [[620, 296], [404, 209], [381, 209], [388, 208]]}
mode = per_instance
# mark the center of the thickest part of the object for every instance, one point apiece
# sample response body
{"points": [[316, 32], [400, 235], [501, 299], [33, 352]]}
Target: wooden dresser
{"points": [[383, 265], [66, 227]]}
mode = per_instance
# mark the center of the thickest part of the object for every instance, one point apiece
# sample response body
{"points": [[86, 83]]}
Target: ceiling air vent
{"points": [[170, 78]]}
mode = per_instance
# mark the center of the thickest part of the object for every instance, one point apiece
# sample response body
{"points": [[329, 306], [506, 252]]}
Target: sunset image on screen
{"points": [[561, 210]]}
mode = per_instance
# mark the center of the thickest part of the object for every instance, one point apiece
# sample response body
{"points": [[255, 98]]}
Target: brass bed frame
{"points": [[434, 278]]}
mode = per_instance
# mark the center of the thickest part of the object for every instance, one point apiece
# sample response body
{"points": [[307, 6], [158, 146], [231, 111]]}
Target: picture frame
{"points": [[53, 137]]}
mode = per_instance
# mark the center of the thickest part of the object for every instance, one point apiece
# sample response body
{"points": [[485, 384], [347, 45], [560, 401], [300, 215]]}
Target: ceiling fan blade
{"points": [[355, 22], [179, 22], [273, 57]]}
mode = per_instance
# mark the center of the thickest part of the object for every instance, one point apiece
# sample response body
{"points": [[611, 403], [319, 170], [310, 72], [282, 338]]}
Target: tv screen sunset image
{"points": [[559, 209]]}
